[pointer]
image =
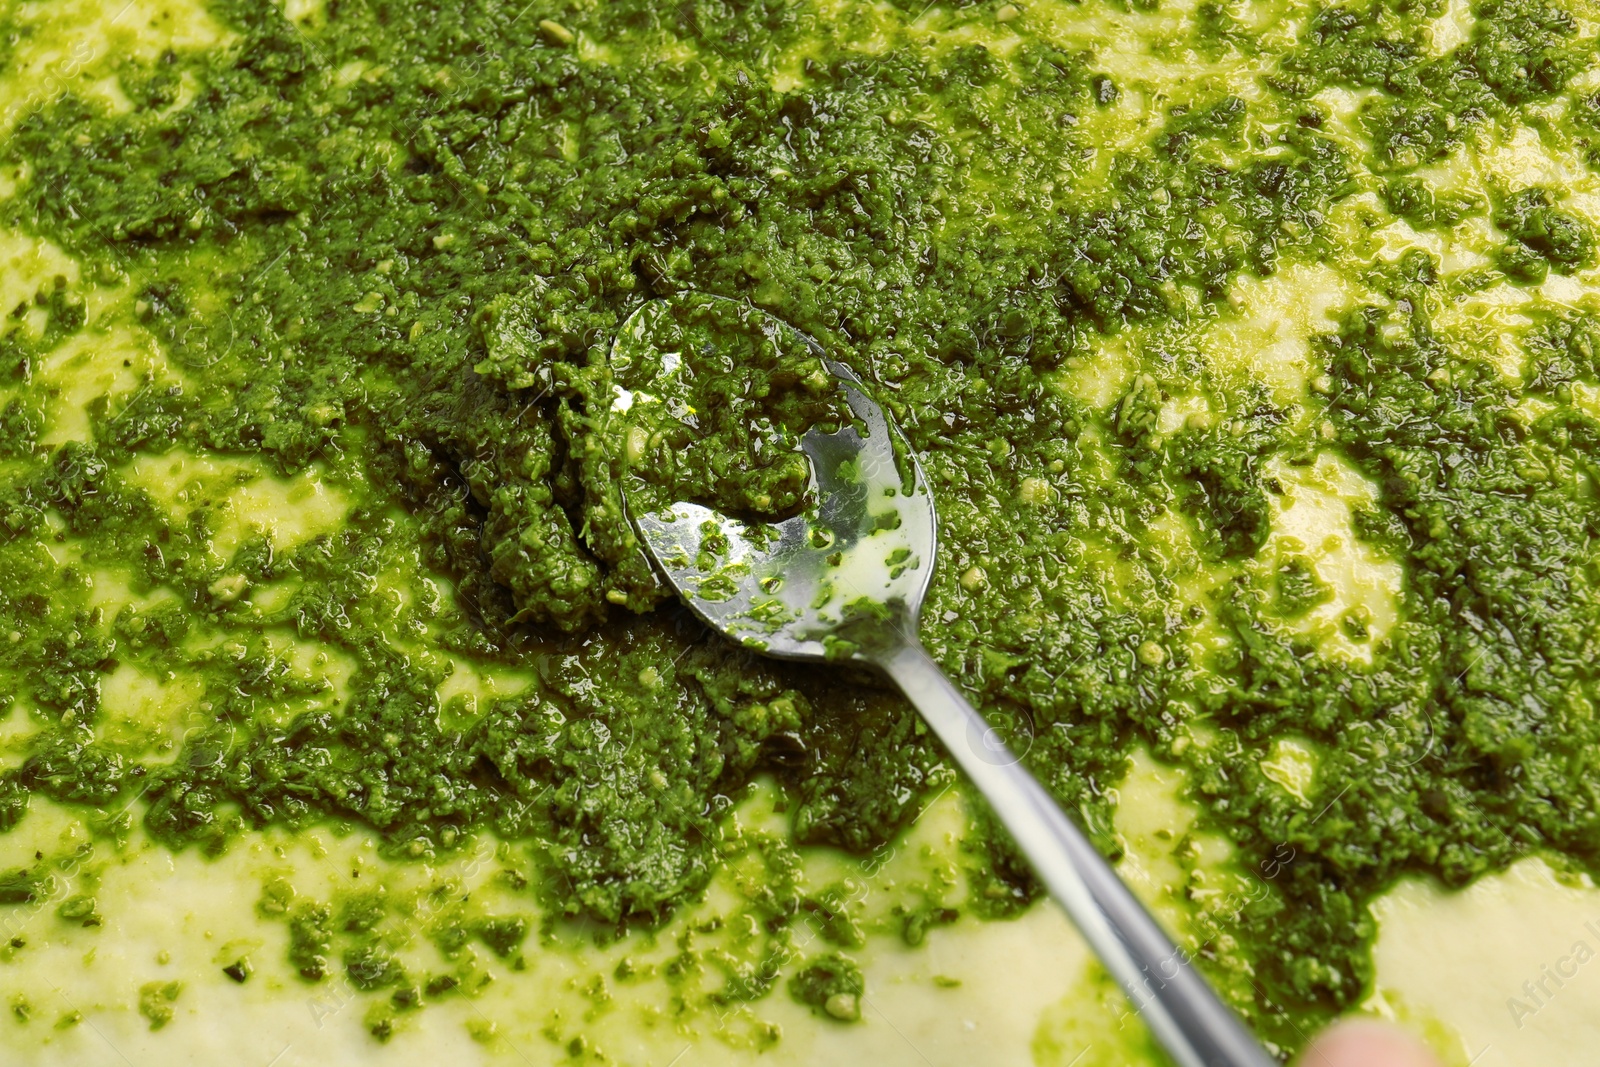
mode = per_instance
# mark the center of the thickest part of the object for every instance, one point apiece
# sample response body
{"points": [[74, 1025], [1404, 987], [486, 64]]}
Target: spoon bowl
{"points": [[821, 584]]}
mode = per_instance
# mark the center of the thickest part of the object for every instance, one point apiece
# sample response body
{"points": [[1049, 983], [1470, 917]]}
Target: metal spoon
{"points": [[845, 583]]}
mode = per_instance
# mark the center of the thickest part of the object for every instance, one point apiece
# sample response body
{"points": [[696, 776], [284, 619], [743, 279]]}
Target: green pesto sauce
{"points": [[408, 279]]}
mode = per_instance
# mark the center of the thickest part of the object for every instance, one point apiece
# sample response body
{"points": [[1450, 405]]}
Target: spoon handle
{"points": [[1179, 1007]]}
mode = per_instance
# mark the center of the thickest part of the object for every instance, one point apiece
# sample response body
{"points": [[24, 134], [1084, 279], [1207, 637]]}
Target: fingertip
{"points": [[1366, 1043]]}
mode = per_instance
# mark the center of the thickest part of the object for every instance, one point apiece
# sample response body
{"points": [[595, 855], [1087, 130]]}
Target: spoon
{"points": [[843, 582]]}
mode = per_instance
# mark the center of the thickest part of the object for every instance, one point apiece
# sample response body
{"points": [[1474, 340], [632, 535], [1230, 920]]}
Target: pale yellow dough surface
{"points": [[1504, 973]]}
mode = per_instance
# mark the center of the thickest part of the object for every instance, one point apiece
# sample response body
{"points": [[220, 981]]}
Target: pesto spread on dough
{"points": [[388, 245]]}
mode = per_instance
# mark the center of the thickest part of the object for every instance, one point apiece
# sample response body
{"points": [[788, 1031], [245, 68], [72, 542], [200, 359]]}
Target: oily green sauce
{"points": [[390, 244]]}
